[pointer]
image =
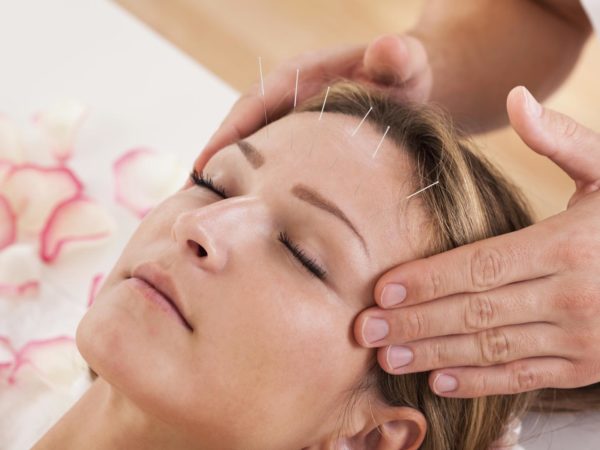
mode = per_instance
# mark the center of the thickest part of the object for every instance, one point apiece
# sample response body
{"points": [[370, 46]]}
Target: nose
{"points": [[207, 235]]}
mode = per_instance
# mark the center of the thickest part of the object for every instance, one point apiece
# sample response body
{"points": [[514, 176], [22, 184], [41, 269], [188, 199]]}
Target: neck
{"points": [[104, 419]]}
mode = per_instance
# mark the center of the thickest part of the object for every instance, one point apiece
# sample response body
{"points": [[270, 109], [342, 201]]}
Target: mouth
{"points": [[159, 286]]}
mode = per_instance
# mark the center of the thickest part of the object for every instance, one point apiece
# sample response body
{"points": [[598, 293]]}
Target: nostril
{"points": [[198, 249]]}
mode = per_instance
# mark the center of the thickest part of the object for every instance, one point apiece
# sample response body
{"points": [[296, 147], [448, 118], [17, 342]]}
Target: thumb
{"points": [[392, 59], [573, 147]]}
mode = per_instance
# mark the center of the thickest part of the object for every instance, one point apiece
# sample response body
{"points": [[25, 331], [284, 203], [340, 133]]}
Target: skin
{"points": [[467, 56], [271, 358]]}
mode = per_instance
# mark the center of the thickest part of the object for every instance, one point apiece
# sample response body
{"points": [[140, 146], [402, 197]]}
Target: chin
{"points": [[103, 342]]}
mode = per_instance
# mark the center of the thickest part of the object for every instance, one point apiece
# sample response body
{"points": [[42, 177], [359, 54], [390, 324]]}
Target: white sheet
{"points": [[142, 91]]}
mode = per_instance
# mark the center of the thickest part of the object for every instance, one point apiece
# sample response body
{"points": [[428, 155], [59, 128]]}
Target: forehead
{"points": [[343, 167]]}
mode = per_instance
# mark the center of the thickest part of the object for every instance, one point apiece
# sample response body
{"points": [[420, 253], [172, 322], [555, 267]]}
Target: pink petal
{"points": [[8, 223], [5, 167], [74, 220], [20, 271], [95, 286], [7, 357], [11, 148], [144, 177], [60, 124], [34, 191], [27, 289], [55, 361]]}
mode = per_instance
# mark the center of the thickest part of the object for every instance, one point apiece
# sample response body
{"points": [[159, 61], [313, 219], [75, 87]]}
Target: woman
{"points": [[289, 229]]}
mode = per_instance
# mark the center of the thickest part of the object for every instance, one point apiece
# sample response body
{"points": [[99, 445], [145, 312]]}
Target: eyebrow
{"points": [[253, 156], [256, 160], [308, 195]]}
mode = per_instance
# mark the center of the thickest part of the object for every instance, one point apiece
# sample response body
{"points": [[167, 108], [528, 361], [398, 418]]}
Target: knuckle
{"points": [[413, 325], [581, 304], [584, 342], [488, 268], [434, 288], [250, 94], [480, 384], [571, 252], [568, 127], [437, 354], [524, 379], [479, 313], [562, 301], [493, 346]]}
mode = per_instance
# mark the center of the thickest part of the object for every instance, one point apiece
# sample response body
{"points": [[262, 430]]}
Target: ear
{"points": [[377, 426]]}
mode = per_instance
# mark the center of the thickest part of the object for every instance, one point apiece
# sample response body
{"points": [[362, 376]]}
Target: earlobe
{"points": [[383, 427], [406, 433]]}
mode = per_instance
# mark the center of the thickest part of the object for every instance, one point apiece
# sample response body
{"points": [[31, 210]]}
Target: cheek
{"points": [[276, 346]]}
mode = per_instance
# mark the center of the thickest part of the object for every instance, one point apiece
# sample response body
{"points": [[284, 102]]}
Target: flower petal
{"points": [[144, 177], [7, 357], [74, 220], [55, 361], [8, 223], [95, 286], [20, 271], [60, 123], [34, 191]]}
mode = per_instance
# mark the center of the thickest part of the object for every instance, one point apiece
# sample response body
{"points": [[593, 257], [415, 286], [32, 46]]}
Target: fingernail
{"points": [[532, 104], [392, 295], [398, 356], [445, 383], [375, 329]]}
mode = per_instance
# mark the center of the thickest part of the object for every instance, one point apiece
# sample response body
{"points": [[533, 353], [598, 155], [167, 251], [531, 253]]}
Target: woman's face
{"points": [[271, 359]]}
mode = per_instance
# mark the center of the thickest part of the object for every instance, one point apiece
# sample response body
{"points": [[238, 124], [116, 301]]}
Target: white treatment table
{"points": [[141, 91]]}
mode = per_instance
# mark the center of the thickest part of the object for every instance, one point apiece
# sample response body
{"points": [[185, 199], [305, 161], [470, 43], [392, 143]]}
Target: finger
{"points": [[573, 147], [485, 348], [513, 304], [392, 59], [480, 266], [248, 113], [510, 378]]}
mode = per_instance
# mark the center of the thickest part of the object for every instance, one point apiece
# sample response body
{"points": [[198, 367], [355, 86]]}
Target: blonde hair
{"points": [[473, 201]]}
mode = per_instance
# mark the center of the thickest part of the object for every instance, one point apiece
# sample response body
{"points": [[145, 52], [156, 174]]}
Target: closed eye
{"points": [[309, 263], [204, 181]]}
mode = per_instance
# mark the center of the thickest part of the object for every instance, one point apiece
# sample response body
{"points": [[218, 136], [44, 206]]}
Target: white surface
{"points": [[592, 8], [567, 431], [141, 91]]}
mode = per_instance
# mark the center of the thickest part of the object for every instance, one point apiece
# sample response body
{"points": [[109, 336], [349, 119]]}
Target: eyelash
{"points": [[309, 263], [203, 181]]}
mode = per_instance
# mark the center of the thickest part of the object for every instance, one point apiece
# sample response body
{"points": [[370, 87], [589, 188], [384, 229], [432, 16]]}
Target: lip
{"points": [[152, 274]]}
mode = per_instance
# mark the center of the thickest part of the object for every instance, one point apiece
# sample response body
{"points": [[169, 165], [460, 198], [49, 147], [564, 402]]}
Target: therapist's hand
{"points": [[511, 313], [398, 64]]}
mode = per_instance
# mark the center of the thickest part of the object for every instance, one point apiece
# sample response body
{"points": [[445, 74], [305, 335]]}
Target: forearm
{"points": [[480, 49]]}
